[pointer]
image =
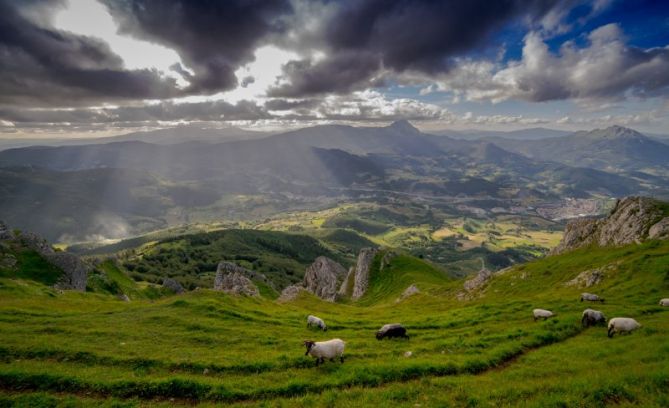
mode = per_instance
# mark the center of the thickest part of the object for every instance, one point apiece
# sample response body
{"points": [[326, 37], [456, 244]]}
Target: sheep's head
{"points": [[308, 344], [379, 335]]}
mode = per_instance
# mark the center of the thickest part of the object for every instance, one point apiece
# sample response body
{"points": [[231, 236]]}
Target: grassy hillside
{"points": [[192, 259], [206, 347]]}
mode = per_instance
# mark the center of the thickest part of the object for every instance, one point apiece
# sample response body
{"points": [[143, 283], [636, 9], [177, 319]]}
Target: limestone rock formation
{"points": [[361, 273], [224, 268], [75, 271], [173, 285], [587, 278], [478, 281], [291, 293], [633, 219], [237, 284], [5, 233], [410, 291], [323, 277]]}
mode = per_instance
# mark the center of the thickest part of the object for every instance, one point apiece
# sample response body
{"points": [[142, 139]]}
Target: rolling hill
{"points": [[92, 349]]}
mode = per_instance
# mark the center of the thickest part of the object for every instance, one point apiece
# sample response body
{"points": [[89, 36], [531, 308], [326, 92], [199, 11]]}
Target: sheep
{"points": [[542, 314], [325, 349], [592, 317], [622, 325], [316, 321], [392, 330], [591, 298], [664, 302]]}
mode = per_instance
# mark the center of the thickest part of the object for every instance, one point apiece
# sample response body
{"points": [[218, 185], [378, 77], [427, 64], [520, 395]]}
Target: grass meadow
{"points": [[204, 347]]}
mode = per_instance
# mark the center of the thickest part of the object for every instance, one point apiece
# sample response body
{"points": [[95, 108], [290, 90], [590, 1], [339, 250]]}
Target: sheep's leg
{"points": [[341, 358]]}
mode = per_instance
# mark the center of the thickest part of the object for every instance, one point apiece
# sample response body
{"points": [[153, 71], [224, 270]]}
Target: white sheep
{"points": [[542, 314], [322, 350], [664, 302], [316, 321], [622, 325], [591, 297], [592, 317]]}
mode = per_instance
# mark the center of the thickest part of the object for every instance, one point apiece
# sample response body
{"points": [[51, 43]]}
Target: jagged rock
{"points": [[7, 261], [478, 281], [291, 293], [173, 285], [225, 268], [75, 271], [123, 297], [344, 288], [361, 273], [660, 230], [36, 243], [589, 278], [410, 291], [633, 219], [237, 284], [323, 277], [5, 233]]}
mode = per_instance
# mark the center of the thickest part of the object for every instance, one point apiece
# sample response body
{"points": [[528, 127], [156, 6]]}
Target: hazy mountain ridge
{"points": [[323, 161]]}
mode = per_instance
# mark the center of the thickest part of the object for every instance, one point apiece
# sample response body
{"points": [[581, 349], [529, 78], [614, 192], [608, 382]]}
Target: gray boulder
{"points": [[173, 285], [235, 283], [75, 271], [291, 293], [323, 277]]}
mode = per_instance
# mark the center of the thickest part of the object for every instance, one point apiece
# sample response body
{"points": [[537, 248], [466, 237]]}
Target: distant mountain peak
{"points": [[403, 126], [617, 131]]}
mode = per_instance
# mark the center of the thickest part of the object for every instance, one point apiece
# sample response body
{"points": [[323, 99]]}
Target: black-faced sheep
{"points": [[622, 325], [392, 330], [316, 321], [592, 317], [322, 350], [542, 314], [591, 297]]}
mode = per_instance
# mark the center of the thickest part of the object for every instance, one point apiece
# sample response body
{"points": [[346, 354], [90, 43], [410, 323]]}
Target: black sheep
{"points": [[392, 330]]}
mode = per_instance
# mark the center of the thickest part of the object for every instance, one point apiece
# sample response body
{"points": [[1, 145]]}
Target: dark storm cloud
{"points": [[160, 112], [213, 38], [363, 37], [45, 66]]}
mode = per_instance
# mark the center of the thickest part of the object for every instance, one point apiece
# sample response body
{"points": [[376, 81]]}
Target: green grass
{"points": [[205, 347], [30, 265]]}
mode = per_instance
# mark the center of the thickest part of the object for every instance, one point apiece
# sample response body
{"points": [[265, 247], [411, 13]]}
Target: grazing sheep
{"points": [[622, 325], [325, 349], [591, 298], [392, 330], [592, 317], [316, 321], [542, 314], [664, 302]]}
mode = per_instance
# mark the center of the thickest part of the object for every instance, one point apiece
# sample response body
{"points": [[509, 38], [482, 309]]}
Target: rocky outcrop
{"points": [[361, 272], [173, 285], [75, 271], [5, 233], [225, 268], [291, 293], [237, 284], [323, 277], [633, 219], [587, 278], [481, 278], [410, 291]]}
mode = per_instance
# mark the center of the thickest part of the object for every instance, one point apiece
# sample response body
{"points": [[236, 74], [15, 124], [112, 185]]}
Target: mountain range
{"points": [[148, 181]]}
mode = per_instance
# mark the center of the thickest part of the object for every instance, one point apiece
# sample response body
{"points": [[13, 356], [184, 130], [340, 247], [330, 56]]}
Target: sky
{"points": [[99, 67]]}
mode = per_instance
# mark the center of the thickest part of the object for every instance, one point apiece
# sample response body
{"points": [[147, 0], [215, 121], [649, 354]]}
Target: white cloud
{"points": [[606, 69]]}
